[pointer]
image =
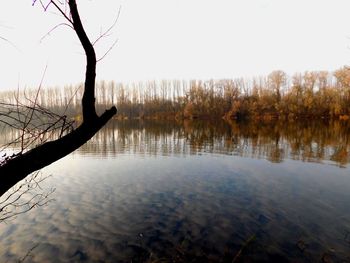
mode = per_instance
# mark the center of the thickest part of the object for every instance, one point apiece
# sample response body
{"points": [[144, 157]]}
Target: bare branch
{"points": [[45, 7], [35, 124], [62, 12], [10, 43], [54, 28], [106, 53], [24, 196], [28, 254], [105, 34], [16, 168]]}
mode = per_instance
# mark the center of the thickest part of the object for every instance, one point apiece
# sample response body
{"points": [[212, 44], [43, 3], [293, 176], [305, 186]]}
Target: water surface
{"points": [[191, 192]]}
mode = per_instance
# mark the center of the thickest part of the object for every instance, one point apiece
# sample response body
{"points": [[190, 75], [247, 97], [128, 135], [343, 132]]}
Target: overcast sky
{"points": [[167, 39]]}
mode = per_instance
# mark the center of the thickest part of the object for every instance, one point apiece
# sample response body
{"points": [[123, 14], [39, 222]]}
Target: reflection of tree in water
{"points": [[306, 141], [275, 141]]}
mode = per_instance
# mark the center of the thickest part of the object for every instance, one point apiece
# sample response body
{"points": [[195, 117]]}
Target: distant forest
{"points": [[308, 95]]}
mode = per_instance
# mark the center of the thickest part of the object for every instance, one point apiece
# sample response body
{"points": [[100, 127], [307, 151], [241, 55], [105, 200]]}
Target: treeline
{"points": [[312, 94]]}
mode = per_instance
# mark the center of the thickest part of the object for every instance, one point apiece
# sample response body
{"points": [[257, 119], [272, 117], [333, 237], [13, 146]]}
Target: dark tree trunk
{"points": [[19, 167], [88, 101]]}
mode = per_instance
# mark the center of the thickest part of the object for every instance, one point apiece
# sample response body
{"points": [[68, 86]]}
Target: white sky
{"points": [[167, 39]]}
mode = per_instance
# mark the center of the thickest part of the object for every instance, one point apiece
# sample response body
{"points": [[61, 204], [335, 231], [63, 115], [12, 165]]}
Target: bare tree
{"points": [[17, 168], [277, 79]]}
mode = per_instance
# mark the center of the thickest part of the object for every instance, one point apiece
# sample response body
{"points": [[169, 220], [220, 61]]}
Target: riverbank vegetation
{"points": [[308, 95]]}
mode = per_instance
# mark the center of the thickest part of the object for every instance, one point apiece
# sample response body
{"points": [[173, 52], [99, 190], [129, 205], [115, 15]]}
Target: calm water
{"points": [[189, 192]]}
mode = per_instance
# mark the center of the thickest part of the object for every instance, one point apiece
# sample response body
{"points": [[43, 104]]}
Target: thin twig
{"points": [[104, 34], [53, 29], [110, 48]]}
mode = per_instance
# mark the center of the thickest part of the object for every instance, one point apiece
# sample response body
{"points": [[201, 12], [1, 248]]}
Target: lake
{"points": [[195, 191]]}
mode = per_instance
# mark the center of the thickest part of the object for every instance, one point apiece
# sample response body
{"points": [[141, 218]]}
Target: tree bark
{"points": [[19, 167], [88, 101]]}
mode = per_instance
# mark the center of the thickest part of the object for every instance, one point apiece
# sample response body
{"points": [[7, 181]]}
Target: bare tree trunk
{"points": [[19, 167], [88, 101]]}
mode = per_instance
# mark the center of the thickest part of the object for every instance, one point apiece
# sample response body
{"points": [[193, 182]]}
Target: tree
{"points": [[343, 82], [277, 80], [18, 167]]}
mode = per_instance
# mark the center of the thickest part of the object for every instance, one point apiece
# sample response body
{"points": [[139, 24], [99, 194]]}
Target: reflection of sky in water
{"points": [[198, 207]]}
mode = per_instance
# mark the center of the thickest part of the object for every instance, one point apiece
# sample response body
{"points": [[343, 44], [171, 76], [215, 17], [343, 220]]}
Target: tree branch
{"points": [[88, 101], [19, 167]]}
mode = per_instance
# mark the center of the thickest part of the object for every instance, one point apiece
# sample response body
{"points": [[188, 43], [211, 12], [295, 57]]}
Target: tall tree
{"points": [[17, 168], [277, 80]]}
